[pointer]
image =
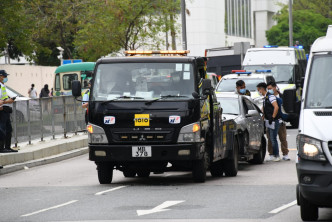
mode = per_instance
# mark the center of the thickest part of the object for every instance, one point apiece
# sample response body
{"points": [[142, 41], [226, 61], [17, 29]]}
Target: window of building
{"points": [[238, 18]]}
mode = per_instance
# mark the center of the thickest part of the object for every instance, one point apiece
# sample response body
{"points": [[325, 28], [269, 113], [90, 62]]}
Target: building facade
{"points": [[221, 23]]}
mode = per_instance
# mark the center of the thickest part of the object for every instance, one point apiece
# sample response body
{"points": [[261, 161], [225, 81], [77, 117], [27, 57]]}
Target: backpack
{"points": [[284, 116]]}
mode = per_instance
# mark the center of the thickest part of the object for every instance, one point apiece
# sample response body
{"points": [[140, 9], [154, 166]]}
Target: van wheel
{"points": [[309, 212], [231, 164], [260, 156], [216, 169], [143, 173], [199, 169], [105, 173], [129, 173]]}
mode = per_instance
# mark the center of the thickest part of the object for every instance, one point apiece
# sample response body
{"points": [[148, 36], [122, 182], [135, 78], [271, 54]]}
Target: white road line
{"points": [[51, 208], [110, 190], [275, 211]]}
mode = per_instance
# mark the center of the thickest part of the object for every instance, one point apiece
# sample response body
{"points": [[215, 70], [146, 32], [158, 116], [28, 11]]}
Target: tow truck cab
{"points": [[314, 140], [287, 65], [155, 114]]}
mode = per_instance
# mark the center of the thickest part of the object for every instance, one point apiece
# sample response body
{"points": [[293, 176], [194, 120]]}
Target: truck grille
{"points": [[142, 137], [323, 113]]}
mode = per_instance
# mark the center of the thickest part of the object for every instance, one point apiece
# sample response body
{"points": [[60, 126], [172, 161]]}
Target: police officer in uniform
{"points": [[5, 110]]}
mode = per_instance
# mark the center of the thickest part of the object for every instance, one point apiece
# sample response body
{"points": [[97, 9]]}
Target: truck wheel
{"points": [[309, 212], [143, 173], [231, 164], [199, 169], [105, 173], [129, 173], [260, 156], [216, 169]]}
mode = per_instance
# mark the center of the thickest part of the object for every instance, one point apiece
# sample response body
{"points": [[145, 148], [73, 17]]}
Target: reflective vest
{"points": [[3, 92]]}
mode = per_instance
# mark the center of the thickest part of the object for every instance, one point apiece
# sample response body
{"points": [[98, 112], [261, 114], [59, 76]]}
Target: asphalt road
{"points": [[69, 191]]}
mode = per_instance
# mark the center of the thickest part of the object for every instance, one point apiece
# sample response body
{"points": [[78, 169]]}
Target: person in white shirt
{"points": [[32, 92]]}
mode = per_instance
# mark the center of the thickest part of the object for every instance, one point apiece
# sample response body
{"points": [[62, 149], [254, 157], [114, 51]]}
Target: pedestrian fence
{"points": [[46, 117]]}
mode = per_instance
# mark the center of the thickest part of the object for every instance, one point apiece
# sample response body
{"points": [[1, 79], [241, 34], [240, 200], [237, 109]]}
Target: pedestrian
{"points": [[241, 88], [44, 92], [271, 116], [282, 133], [51, 93], [5, 111], [32, 92], [85, 101]]}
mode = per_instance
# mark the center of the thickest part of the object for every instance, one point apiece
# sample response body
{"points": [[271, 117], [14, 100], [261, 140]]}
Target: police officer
{"points": [[5, 110], [241, 88]]}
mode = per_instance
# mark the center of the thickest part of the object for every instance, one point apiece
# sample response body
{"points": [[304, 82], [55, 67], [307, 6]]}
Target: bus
{"points": [[65, 74]]}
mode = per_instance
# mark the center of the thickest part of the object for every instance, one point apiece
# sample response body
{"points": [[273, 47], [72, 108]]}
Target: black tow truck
{"points": [[155, 111]]}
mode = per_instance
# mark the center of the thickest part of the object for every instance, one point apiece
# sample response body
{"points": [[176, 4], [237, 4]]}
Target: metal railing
{"points": [[46, 117]]}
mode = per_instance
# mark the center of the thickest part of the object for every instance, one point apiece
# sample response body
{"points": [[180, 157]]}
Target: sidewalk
{"points": [[40, 153]]}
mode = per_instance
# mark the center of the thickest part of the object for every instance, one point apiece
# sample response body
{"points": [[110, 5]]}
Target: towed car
{"points": [[249, 126]]}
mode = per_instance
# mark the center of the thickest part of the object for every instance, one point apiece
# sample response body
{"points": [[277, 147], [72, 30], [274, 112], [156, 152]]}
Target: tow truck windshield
{"points": [[319, 92], [143, 81], [282, 74]]}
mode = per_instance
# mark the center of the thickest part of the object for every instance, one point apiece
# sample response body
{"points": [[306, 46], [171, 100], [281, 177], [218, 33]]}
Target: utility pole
{"points": [[290, 9], [184, 25]]}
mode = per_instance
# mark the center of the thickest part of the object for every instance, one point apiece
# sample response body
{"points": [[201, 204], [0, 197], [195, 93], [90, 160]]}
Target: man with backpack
{"points": [[272, 89], [272, 118]]}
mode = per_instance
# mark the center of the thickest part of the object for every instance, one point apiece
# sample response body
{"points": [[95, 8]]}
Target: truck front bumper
{"points": [[315, 182], [123, 153]]}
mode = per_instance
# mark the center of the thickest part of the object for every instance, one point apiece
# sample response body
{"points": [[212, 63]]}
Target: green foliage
{"points": [[307, 27], [323, 7]]}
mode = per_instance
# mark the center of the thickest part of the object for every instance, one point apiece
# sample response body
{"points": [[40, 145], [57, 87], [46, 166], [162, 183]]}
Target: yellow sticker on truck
{"points": [[142, 120]]}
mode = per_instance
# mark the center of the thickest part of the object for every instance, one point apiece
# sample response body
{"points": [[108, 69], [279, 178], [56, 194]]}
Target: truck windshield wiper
{"points": [[122, 97], [163, 97]]}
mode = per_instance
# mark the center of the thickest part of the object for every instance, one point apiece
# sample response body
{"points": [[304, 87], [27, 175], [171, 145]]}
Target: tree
{"points": [[123, 24], [323, 7], [307, 27]]}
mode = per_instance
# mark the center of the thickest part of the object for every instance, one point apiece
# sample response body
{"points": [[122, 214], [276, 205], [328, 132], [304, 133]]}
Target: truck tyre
{"points": [[231, 164], [105, 173], [129, 173], [309, 212], [143, 173], [216, 169], [260, 156], [199, 169]]}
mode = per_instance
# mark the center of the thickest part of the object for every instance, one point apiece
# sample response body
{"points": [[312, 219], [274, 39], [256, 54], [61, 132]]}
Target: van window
{"points": [[57, 82], [319, 92], [67, 80]]}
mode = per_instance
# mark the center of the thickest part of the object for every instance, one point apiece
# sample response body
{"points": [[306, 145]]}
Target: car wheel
{"points": [[143, 173], [309, 211], [216, 169], [129, 173], [105, 173], [199, 169], [231, 165], [260, 156]]}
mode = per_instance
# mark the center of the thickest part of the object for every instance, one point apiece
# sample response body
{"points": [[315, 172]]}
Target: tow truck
{"points": [[155, 111]]}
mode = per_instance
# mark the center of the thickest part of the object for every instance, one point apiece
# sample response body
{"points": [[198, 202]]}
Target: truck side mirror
{"points": [[289, 100], [300, 83], [76, 88], [206, 86]]}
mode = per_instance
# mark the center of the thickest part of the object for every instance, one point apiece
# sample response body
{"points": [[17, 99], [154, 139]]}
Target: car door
{"points": [[254, 121]]}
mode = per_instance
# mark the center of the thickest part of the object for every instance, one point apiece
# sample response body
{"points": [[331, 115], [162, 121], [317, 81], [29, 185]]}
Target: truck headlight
{"points": [[310, 148], [190, 133], [96, 134]]}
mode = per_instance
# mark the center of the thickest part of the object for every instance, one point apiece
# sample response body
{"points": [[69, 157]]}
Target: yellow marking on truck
{"points": [[142, 120]]}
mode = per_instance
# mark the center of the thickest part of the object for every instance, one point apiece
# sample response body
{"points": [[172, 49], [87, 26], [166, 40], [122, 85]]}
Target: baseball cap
{"points": [[3, 73]]}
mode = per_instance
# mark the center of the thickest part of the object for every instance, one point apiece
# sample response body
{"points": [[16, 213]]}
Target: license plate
{"points": [[141, 151]]}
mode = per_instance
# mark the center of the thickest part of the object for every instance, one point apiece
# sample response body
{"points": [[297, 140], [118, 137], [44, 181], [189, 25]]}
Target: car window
{"points": [[249, 105]]}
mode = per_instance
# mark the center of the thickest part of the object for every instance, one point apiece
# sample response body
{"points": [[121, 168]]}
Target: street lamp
{"points": [[184, 25], [61, 54]]}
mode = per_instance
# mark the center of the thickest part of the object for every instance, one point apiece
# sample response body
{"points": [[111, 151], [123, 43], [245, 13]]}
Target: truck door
{"points": [[217, 127]]}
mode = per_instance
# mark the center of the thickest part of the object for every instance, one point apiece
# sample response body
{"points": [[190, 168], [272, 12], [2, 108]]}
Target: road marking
{"points": [[160, 208], [51, 208], [110, 190], [293, 149], [275, 211]]}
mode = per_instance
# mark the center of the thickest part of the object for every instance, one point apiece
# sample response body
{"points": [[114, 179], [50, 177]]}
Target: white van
{"points": [[287, 65], [314, 141]]}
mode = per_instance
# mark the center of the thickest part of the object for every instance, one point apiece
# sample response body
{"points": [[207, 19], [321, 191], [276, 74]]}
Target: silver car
{"points": [[249, 126]]}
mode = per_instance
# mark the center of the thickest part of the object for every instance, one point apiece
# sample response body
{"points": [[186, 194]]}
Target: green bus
{"points": [[65, 74]]}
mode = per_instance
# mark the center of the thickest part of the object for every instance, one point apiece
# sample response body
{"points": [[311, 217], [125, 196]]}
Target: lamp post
{"points": [[184, 25], [61, 54], [290, 9]]}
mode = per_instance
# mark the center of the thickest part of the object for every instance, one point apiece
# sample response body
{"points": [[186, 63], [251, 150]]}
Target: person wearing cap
{"points": [[85, 101], [5, 110]]}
